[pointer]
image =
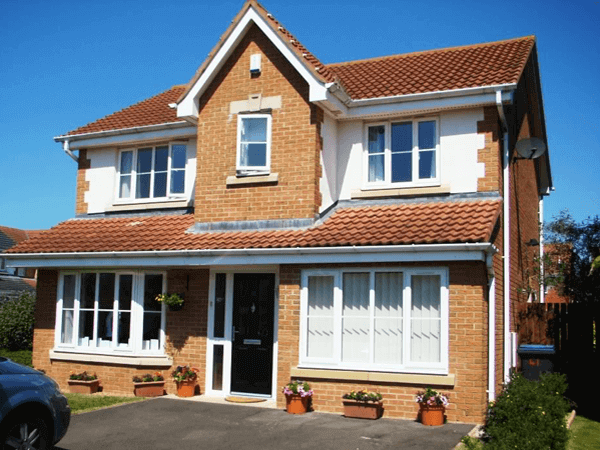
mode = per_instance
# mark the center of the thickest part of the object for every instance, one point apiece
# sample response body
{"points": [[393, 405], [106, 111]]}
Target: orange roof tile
{"points": [[152, 111], [487, 64], [400, 224]]}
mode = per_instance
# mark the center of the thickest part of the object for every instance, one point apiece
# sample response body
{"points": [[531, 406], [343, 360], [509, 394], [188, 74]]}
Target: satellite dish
{"points": [[531, 148]]}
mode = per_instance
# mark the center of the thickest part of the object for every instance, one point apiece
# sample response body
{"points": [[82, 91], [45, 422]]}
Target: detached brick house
{"points": [[343, 224]]}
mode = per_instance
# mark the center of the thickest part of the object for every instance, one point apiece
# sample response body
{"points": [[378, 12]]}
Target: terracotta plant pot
{"points": [[186, 388], [149, 389], [83, 387], [363, 410], [295, 404], [432, 415]]}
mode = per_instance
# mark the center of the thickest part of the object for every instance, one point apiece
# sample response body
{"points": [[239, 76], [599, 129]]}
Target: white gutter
{"points": [[132, 130], [542, 268], [398, 253], [491, 326], [69, 152], [506, 236]]}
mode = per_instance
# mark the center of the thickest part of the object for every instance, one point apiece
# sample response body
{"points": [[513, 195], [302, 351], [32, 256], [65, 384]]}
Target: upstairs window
{"points": [[254, 144], [402, 153], [152, 172]]}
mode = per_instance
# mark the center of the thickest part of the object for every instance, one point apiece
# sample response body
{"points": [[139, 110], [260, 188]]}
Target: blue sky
{"points": [[66, 63]]}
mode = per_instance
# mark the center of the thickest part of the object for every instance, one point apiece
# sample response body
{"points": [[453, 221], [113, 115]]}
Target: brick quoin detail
{"points": [[81, 206], [491, 153], [295, 145]]}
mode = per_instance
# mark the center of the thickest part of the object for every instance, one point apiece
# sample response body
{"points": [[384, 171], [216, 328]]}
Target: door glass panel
{"points": [[219, 315], [153, 285], [217, 383]]}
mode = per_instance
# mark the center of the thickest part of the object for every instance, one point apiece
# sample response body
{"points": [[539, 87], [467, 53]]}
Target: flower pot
{"points": [[432, 415], [363, 410], [83, 387], [149, 389], [186, 388], [295, 404]]}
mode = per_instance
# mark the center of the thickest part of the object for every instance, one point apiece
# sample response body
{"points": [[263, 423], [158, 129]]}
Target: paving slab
{"points": [[168, 423]]}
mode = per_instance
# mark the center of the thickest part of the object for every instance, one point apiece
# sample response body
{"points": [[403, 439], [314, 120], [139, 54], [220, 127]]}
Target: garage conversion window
{"points": [[254, 144], [402, 153], [152, 172], [110, 312], [375, 319]]}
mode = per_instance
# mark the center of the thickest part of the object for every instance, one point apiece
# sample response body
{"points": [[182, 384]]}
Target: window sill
{"points": [[160, 204], [126, 360], [447, 381], [400, 192], [252, 179]]}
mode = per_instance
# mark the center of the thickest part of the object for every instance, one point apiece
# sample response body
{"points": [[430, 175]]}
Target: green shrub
{"points": [[529, 415], [16, 322]]}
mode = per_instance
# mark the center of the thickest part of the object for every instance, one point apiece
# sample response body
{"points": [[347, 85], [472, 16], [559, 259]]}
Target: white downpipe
{"points": [[505, 236], [68, 151], [542, 268], [491, 328]]}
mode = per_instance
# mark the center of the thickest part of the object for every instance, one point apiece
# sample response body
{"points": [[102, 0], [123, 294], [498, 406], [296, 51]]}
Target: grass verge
{"points": [[84, 402], [585, 434], [19, 356]]}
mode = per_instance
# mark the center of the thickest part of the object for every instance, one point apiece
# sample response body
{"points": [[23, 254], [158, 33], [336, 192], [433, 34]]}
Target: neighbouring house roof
{"points": [[398, 224], [488, 64], [9, 237]]}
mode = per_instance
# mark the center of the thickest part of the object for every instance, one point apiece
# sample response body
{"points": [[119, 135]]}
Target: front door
{"points": [[252, 346]]}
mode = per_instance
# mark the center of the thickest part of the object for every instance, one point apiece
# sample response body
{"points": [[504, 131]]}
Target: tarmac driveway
{"points": [[164, 423]]}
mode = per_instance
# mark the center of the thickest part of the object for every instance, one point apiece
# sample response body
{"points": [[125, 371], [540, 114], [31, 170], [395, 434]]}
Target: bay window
{"points": [[402, 153], [110, 312], [375, 319], [152, 172]]}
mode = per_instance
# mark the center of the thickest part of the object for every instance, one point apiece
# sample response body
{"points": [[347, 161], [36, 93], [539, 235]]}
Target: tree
{"points": [[582, 277]]}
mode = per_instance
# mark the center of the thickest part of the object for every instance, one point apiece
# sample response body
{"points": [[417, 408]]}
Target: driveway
{"points": [[164, 423]]}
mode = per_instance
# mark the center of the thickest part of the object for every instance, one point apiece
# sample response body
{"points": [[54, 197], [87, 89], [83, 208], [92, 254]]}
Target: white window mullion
{"points": [[415, 151], [169, 155], [59, 310], [96, 296]]}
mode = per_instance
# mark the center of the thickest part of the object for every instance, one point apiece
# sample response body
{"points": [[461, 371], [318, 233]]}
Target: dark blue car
{"points": [[33, 412]]}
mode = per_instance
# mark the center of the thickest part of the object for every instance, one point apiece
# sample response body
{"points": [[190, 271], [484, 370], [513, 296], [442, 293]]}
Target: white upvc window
{"points": [[390, 320], [152, 172], [253, 144], [110, 312], [402, 153]]}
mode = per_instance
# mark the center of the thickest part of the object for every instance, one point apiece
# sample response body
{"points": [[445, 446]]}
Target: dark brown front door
{"points": [[252, 349]]}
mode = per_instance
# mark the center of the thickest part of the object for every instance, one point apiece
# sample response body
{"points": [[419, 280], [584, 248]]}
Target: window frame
{"points": [[415, 180], [151, 199], [406, 365], [253, 170], [136, 315]]}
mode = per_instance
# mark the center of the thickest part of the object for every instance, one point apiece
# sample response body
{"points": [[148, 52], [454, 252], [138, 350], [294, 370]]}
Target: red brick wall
{"points": [[295, 147], [467, 357], [185, 329], [81, 206]]}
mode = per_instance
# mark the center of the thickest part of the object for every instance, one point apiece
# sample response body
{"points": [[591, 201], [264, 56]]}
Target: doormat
{"points": [[233, 399]]}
